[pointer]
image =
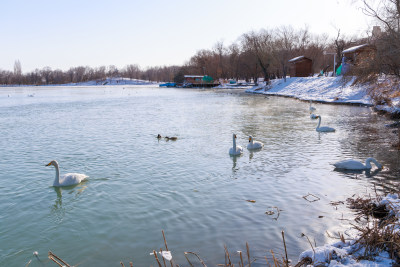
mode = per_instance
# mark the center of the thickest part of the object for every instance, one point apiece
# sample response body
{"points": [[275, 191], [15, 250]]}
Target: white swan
{"points": [[323, 128], [254, 144], [351, 164], [311, 107], [66, 179], [235, 150]]}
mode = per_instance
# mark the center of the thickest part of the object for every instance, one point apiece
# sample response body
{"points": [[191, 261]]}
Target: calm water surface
{"points": [[192, 189]]}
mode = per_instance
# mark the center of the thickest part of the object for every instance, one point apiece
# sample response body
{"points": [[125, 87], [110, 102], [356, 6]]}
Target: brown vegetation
{"points": [[375, 225], [386, 59]]}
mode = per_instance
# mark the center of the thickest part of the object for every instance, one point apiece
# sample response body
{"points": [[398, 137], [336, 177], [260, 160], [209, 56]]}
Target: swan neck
{"points": [[57, 178], [368, 163], [234, 143], [319, 121]]}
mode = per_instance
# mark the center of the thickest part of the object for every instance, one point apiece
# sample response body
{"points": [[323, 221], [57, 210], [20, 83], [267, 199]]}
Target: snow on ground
{"points": [[107, 81], [321, 89], [392, 203], [395, 108], [345, 254], [111, 81]]}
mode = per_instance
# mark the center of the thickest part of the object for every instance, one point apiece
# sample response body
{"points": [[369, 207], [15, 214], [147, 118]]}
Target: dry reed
{"points": [[376, 227]]}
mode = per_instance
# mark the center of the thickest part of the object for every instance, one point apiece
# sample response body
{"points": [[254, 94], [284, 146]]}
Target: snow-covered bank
{"points": [[353, 253], [112, 81], [102, 82], [344, 254], [321, 89]]}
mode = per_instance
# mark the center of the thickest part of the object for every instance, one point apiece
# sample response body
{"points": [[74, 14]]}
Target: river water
{"points": [[190, 188]]}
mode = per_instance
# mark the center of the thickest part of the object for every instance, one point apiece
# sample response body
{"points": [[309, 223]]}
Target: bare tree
{"points": [[284, 47], [17, 72], [340, 43], [260, 46], [387, 14], [132, 71], [219, 51]]}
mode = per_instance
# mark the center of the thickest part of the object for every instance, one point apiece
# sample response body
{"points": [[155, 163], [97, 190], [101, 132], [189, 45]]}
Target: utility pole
{"points": [[334, 61]]}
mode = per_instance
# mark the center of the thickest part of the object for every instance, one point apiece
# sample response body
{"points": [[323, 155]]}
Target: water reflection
{"points": [[252, 152], [58, 203], [368, 172], [234, 160], [75, 190]]}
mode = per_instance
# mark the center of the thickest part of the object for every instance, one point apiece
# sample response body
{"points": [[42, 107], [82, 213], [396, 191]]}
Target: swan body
{"points": [[351, 164], [254, 144], [68, 178], [235, 150], [311, 107], [324, 129]]}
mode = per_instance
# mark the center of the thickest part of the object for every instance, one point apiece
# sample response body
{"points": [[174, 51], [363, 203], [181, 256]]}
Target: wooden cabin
{"points": [[300, 67], [356, 54]]}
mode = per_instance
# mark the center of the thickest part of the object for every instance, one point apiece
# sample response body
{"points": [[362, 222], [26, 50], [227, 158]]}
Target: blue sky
{"points": [[66, 33]]}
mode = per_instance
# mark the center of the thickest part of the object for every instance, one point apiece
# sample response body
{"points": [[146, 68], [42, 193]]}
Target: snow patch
{"points": [[322, 89]]}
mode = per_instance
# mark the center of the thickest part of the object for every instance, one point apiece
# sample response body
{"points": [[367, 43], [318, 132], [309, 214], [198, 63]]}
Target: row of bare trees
{"points": [[79, 74], [255, 54], [264, 53]]}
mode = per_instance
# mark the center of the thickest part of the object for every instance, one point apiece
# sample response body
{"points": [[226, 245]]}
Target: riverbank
{"points": [[325, 90], [376, 242]]}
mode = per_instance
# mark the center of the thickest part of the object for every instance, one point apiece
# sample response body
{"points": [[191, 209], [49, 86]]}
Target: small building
{"points": [[300, 67], [199, 81], [193, 79], [355, 55]]}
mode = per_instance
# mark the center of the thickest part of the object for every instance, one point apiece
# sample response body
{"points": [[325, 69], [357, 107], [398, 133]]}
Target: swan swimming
{"points": [[254, 144], [66, 179], [311, 107], [235, 150], [351, 164], [325, 129]]}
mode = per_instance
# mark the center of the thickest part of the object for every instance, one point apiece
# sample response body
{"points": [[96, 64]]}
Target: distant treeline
{"points": [[255, 54], [47, 76]]}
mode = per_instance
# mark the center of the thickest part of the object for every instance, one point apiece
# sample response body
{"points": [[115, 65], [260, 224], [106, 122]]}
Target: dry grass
{"points": [[376, 228]]}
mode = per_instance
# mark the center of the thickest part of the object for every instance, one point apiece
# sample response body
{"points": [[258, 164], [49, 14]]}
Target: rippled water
{"points": [[191, 188]]}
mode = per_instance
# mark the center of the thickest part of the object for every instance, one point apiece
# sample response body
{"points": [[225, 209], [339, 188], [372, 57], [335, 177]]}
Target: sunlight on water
{"points": [[190, 188]]}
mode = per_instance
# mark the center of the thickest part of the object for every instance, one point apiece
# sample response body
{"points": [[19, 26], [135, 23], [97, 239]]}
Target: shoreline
{"points": [[326, 90]]}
